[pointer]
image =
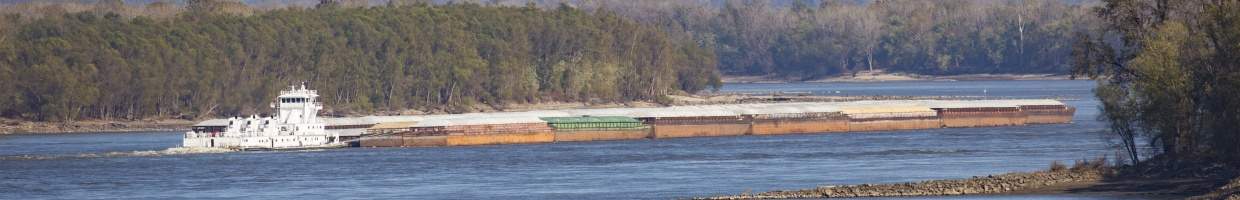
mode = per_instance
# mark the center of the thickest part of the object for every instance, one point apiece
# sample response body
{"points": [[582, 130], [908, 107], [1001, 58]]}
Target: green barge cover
{"points": [[592, 122]]}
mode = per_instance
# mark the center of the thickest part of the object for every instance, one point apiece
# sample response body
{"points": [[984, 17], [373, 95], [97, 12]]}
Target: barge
{"points": [[297, 121], [579, 125]]}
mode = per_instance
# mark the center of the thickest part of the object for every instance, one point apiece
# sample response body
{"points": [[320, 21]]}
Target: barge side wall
{"points": [[894, 124], [601, 135], [777, 127], [964, 118], [699, 130], [506, 138], [1049, 116]]}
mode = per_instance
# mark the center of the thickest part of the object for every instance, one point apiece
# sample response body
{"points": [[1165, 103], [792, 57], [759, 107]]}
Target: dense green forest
{"points": [[195, 58], [1169, 76], [807, 39], [810, 39], [214, 59]]}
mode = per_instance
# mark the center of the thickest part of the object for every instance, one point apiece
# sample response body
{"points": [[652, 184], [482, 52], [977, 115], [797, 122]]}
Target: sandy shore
{"points": [[881, 76], [13, 126]]}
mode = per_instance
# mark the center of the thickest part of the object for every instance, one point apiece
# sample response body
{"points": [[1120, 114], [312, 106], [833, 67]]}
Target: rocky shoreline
{"points": [[1085, 177], [1059, 177], [1006, 183]]}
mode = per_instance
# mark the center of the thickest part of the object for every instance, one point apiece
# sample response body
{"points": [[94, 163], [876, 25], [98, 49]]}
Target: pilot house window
{"points": [[292, 100]]}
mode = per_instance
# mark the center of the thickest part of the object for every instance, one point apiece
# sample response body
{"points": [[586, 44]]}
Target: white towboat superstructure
{"points": [[296, 125]]}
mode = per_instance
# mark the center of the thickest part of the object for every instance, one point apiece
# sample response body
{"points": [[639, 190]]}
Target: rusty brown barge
{"points": [[696, 121]]}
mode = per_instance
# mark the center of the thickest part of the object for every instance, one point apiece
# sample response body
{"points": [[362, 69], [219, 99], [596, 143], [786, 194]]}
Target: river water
{"points": [[138, 165]]}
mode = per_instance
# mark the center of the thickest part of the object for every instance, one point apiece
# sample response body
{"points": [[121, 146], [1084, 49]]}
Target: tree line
{"points": [[211, 60], [1169, 76], [811, 39]]}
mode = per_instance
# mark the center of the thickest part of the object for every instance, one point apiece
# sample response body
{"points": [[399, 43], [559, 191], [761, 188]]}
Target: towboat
{"points": [[296, 125]]}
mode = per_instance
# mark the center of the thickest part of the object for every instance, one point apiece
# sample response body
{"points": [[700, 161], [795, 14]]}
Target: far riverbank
{"points": [[882, 76], [15, 126]]}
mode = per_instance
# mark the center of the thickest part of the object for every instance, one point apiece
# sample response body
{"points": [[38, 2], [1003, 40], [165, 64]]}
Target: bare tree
{"points": [[870, 30], [1118, 113]]}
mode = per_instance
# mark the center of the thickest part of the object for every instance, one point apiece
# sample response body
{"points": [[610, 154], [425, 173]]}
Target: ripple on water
{"points": [[165, 152]]}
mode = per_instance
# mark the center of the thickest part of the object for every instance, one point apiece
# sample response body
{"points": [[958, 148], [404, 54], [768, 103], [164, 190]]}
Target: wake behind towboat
{"points": [[295, 126]]}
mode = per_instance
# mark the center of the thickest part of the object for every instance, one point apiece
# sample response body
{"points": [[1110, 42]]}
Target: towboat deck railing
{"points": [[312, 92]]}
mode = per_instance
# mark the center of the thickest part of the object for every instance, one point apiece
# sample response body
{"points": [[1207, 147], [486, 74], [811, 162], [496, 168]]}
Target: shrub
{"points": [[1058, 166], [1086, 164]]}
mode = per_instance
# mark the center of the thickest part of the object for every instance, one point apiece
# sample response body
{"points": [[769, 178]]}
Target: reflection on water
{"points": [[140, 166]]}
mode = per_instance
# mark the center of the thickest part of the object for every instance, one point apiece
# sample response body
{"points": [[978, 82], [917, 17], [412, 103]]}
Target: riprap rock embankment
{"points": [[996, 184]]}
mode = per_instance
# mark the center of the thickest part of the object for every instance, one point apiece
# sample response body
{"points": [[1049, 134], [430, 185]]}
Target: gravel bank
{"points": [[995, 184]]}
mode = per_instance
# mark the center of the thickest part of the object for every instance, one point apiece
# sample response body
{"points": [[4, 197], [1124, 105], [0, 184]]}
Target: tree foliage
{"points": [[1170, 71], [213, 60], [810, 39], [803, 38]]}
